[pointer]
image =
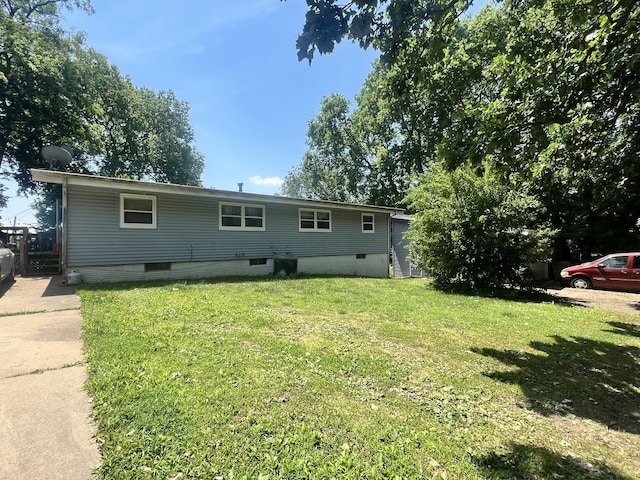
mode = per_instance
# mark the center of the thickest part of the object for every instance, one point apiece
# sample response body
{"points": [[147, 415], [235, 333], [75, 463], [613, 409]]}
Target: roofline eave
{"points": [[127, 185]]}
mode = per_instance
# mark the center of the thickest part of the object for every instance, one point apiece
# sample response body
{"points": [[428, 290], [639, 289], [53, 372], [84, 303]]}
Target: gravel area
{"points": [[619, 301]]}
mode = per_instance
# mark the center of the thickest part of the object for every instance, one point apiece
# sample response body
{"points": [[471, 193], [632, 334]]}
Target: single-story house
{"points": [[116, 229]]}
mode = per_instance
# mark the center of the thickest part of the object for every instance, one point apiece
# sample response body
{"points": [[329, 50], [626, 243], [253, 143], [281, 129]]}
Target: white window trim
{"points": [[315, 220], [373, 223], [243, 217], [154, 212]]}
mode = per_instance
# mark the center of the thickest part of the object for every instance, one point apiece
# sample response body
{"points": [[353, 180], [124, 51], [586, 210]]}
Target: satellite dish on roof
{"points": [[57, 155]]}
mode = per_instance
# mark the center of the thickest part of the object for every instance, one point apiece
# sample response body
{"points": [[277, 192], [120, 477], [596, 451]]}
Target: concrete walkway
{"points": [[45, 426]]}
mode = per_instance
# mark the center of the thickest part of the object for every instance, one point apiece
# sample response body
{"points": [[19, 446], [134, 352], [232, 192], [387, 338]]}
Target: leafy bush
{"points": [[473, 228]]}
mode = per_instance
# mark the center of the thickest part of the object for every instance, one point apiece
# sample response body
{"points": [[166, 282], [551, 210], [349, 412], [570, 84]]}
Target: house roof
{"points": [[121, 184], [403, 217]]}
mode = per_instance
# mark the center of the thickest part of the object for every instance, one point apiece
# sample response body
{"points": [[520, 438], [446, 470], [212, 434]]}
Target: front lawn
{"points": [[351, 378]]}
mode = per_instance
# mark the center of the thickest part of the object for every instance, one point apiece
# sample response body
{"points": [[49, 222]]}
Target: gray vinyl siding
{"points": [[402, 267], [187, 231]]}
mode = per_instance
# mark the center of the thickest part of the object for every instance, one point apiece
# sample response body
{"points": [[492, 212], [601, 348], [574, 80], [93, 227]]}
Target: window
{"points": [[368, 223], [254, 262], [616, 262], [237, 216], [315, 220], [157, 267], [137, 211]]}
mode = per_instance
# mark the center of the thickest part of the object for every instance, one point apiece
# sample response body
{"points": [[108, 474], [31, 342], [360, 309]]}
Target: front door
{"points": [[634, 274], [614, 273]]}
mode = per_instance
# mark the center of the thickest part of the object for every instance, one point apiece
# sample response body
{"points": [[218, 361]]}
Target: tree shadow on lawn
{"points": [[529, 462], [628, 329], [577, 376], [521, 295]]}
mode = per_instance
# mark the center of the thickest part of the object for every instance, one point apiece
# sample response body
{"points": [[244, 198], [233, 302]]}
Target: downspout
{"points": [[389, 246], [63, 228]]}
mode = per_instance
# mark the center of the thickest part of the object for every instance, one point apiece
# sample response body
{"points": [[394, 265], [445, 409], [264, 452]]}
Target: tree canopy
{"points": [[353, 155], [545, 93], [385, 24], [56, 90], [369, 154]]}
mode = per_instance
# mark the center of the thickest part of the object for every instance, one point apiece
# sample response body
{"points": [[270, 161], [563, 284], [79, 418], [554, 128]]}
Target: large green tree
{"points": [[135, 132], [545, 91], [56, 90], [338, 163], [40, 96], [366, 154], [565, 116], [402, 113]]}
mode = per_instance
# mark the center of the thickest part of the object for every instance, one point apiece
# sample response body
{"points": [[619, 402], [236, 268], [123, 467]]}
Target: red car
{"points": [[618, 271]]}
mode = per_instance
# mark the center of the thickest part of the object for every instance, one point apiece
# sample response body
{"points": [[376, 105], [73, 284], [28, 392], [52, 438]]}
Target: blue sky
{"points": [[235, 63]]}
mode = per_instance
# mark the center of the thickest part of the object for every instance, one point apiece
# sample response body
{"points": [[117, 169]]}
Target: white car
{"points": [[7, 265]]}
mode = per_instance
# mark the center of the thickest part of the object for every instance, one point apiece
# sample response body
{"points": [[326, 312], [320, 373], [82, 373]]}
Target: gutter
{"points": [[126, 185]]}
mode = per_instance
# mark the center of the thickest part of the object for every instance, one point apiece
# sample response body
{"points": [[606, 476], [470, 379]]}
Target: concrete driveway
{"points": [[45, 426]]}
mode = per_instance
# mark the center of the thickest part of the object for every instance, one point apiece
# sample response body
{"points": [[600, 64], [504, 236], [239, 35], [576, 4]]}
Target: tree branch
{"points": [[40, 5]]}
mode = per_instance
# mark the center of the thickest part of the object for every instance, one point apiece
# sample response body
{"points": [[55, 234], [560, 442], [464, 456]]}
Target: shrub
{"points": [[473, 228]]}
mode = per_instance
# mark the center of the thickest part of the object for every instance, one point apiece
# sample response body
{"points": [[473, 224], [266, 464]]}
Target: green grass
{"points": [[357, 379]]}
